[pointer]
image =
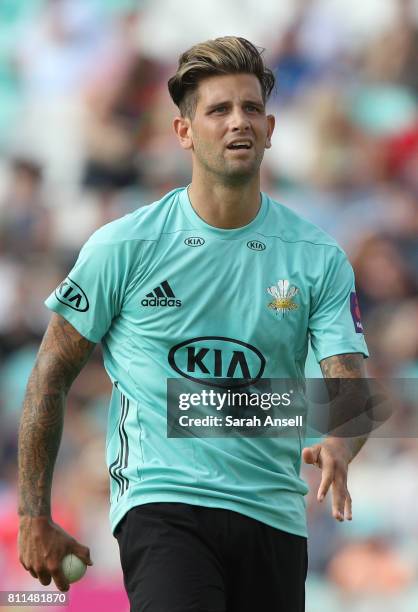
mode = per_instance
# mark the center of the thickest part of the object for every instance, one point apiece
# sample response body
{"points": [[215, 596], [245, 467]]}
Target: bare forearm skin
{"points": [[62, 354], [349, 365]]}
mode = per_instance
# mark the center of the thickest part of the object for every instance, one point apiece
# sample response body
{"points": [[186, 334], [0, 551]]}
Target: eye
{"points": [[252, 108], [219, 109]]}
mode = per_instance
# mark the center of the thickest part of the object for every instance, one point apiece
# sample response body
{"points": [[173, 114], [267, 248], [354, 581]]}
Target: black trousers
{"points": [[183, 558]]}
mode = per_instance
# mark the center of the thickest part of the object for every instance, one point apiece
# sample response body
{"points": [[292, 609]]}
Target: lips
{"points": [[240, 144]]}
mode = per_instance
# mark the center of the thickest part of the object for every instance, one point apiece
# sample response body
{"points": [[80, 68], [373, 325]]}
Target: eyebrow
{"points": [[228, 103]]}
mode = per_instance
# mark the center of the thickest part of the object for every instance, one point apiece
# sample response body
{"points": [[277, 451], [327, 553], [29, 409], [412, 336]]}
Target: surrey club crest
{"points": [[283, 294]]}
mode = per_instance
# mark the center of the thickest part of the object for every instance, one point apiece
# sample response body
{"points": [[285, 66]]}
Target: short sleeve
{"points": [[334, 323], [91, 295]]}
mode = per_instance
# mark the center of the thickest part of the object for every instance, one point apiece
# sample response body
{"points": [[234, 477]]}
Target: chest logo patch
{"points": [[283, 294], [194, 241], [256, 245], [163, 295]]}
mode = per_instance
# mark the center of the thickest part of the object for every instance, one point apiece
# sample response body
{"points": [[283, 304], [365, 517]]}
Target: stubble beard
{"points": [[229, 173]]}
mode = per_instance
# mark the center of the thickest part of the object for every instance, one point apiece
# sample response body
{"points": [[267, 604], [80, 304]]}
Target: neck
{"points": [[226, 206]]}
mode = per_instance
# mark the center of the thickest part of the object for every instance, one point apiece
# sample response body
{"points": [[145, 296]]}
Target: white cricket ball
{"points": [[73, 567]]}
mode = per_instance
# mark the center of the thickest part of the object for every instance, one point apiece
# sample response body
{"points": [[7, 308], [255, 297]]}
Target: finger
{"points": [[348, 507], [326, 481], [339, 496], [32, 573], [82, 552], [44, 577], [59, 579], [310, 454]]}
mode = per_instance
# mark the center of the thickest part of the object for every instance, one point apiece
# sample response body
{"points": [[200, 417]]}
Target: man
{"points": [[183, 289]]}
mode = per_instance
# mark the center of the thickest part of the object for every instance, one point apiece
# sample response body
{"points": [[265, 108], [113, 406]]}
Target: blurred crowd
{"points": [[85, 137]]}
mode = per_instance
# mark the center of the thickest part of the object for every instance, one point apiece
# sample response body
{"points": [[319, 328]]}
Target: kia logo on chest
{"points": [[194, 241], [207, 358], [256, 245]]}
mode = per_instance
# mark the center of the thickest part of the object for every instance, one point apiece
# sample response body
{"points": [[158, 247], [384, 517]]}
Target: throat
{"points": [[225, 207]]}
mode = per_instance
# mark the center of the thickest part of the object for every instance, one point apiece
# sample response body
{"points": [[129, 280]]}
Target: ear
{"points": [[182, 128], [271, 122]]}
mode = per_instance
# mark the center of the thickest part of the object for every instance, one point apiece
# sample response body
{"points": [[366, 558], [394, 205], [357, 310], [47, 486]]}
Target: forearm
{"points": [[39, 440], [349, 423], [62, 354], [349, 393]]}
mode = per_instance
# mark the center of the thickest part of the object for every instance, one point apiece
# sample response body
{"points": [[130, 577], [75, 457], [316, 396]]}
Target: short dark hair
{"points": [[226, 55]]}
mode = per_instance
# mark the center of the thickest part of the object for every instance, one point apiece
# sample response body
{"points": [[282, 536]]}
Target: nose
{"points": [[239, 120]]}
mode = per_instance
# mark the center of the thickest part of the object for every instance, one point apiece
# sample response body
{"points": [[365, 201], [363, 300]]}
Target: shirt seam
{"points": [[325, 244]]}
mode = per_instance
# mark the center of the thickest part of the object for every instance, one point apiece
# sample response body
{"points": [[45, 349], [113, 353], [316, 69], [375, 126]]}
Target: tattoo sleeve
{"points": [[348, 365], [61, 356], [348, 397]]}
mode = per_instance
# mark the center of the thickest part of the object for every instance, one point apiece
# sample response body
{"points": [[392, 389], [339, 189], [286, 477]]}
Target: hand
{"points": [[43, 545], [332, 456]]}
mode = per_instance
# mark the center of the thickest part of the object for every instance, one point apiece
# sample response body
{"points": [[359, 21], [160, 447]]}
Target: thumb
{"points": [[310, 454]]}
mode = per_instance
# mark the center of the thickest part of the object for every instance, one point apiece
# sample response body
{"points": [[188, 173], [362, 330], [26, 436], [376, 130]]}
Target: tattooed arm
{"points": [[349, 365], [42, 543], [334, 454], [345, 368]]}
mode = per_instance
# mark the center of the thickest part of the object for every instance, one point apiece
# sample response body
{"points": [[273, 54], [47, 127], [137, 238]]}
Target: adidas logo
{"points": [[163, 295]]}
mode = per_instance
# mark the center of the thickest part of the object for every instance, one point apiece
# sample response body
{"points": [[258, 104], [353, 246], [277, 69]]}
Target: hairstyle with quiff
{"points": [[226, 55]]}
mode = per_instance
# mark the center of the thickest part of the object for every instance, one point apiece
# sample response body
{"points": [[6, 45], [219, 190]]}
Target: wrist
{"points": [[341, 445], [40, 520]]}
